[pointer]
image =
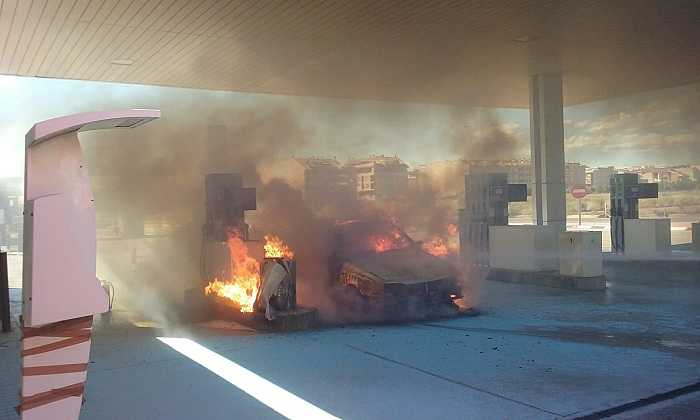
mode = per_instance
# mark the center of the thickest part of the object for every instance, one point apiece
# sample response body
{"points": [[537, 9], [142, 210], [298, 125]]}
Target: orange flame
{"points": [[242, 287], [436, 246], [387, 241], [276, 248]]}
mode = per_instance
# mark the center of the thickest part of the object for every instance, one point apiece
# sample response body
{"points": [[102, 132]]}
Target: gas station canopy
{"points": [[468, 52]]}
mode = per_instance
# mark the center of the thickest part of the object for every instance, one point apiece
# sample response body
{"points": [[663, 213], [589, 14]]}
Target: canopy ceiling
{"points": [[469, 52]]}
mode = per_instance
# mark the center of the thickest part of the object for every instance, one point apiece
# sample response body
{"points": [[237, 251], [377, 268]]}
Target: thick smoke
{"points": [[471, 134], [474, 134], [425, 211], [156, 173], [689, 113], [282, 211], [480, 134]]}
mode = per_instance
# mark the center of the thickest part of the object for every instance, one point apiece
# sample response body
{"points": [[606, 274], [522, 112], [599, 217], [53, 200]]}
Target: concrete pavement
{"points": [[683, 407], [532, 352]]}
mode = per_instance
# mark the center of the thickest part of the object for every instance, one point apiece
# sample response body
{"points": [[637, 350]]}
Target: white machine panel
{"points": [[60, 292], [59, 274], [581, 254], [647, 237], [524, 248], [59, 278]]}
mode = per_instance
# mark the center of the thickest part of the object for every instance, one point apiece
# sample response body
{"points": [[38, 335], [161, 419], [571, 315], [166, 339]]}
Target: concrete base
{"points": [[526, 248], [295, 320], [298, 319], [675, 267], [196, 307], [647, 237], [580, 254], [548, 279], [199, 308]]}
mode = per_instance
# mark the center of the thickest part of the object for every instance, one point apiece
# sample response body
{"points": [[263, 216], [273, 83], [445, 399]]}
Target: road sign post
{"points": [[578, 192], [579, 212]]}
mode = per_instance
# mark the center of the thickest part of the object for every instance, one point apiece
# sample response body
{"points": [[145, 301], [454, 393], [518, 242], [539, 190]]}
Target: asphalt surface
{"points": [[684, 407], [531, 352]]}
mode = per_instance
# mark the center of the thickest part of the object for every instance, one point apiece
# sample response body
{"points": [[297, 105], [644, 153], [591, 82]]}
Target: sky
{"points": [[654, 128], [657, 128]]}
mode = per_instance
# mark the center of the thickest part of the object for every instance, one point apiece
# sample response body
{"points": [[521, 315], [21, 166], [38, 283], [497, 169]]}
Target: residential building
{"points": [[518, 170], [665, 177], [445, 177], [379, 177], [11, 209], [600, 178], [691, 171], [575, 174], [589, 176], [326, 180]]}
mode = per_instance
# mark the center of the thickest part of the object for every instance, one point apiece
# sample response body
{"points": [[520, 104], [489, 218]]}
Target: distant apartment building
{"points": [[447, 177], [326, 180], [691, 171], [440, 181], [650, 176], [695, 173], [518, 170], [575, 174], [665, 177], [379, 177], [11, 208], [600, 178], [413, 179], [589, 175]]}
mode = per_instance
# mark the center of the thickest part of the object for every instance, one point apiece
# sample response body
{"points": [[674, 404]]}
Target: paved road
{"points": [[533, 352], [684, 407]]}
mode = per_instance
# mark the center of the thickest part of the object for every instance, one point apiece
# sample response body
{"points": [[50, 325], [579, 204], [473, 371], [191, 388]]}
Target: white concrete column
{"points": [[547, 149]]}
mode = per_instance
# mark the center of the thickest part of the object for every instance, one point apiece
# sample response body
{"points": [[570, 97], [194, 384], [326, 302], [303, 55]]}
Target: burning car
{"points": [[382, 274], [377, 271]]}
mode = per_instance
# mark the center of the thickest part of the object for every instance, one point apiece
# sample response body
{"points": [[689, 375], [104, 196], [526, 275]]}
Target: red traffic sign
{"points": [[578, 192]]}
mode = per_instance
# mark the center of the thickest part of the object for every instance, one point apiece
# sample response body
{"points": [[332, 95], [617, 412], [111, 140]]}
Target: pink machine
{"points": [[61, 292]]}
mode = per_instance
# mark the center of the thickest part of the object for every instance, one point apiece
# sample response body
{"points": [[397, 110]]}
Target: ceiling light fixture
{"points": [[123, 62], [524, 38]]}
